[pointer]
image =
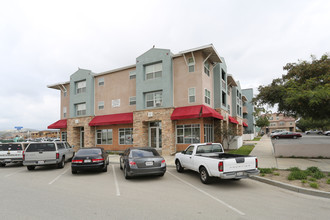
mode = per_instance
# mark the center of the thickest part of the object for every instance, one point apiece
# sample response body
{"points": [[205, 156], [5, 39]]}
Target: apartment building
{"points": [[165, 100], [248, 109], [280, 121]]}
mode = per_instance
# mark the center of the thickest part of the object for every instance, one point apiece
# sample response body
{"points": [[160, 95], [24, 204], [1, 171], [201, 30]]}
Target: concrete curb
{"points": [[292, 188]]}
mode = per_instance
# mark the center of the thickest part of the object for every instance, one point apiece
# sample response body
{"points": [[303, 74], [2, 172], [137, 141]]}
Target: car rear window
{"points": [[209, 148], [36, 147], [144, 153], [83, 152], [6, 147]]}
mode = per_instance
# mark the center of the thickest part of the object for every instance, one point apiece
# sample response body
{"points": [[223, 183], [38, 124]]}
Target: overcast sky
{"points": [[44, 42]]}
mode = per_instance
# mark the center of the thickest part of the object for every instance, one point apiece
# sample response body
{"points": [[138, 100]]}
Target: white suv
{"points": [[11, 153], [47, 153]]}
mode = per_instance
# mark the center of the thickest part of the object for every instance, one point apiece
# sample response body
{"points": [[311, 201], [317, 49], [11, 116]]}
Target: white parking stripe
{"points": [[11, 174], [116, 182], [51, 182], [207, 194]]}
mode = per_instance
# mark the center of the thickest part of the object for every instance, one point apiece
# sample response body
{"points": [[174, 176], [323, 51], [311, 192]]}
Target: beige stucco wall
{"points": [[65, 101], [117, 85]]}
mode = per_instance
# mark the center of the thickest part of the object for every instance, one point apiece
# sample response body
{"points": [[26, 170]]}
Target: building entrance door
{"points": [[82, 139], [155, 134]]}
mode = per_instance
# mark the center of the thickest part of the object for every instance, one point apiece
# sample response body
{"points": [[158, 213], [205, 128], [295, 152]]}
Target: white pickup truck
{"points": [[210, 160], [11, 153]]}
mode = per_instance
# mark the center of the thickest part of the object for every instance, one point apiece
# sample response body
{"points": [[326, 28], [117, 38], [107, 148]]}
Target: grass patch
{"points": [[256, 139], [298, 175], [314, 185], [303, 181], [267, 170], [276, 174], [328, 181], [312, 179], [244, 150]]}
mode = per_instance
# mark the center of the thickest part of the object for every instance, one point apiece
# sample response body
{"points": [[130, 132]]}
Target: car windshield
{"points": [[84, 152], [6, 147], [144, 153], [209, 148], [36, 147]]}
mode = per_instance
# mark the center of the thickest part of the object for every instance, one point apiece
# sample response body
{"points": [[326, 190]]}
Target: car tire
{"points": [[30, 167], [178, 166], [277, 137], [2, 164], [204, 175], [74, 171], [61, 164], [126, 173], [105, 169], [294, 137], [120, 166]]}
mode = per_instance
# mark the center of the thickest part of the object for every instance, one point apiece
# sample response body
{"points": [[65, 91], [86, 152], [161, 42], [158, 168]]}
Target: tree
{"points": [[228, 133], [309, 123], [304, 91], [262, 118]]}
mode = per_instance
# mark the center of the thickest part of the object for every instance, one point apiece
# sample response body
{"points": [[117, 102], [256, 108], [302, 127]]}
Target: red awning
{"points": [[232, 120], [196, 111], [123, 118], [208, 112], [245, 125], [59, 124]]}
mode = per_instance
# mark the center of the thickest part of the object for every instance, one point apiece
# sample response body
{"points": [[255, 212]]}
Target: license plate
{"points": [[149, 163], [87, 161], [239, 174], [41, 162]]}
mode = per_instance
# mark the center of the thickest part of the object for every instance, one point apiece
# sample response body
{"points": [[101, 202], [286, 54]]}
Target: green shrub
{"points": [[313, 169], [318, 175], [328, 181], [267, 170], [303, 181], [312, 179], [262, 174], [294, 169], [276, 174], [314, 185], [297, 175]]}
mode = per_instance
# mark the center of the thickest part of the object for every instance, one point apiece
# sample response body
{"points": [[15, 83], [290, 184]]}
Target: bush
{"points": [[276, 174], [303, 181], [312, 179], [298, 175], [294, 169], [267, 170], [328, 181], [313, 169], [318, 175], [314, 185]]}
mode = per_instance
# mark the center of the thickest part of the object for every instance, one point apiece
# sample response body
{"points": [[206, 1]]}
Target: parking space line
{"points": [[11, 174], [207, 194], [115, 179], [51, 182]]}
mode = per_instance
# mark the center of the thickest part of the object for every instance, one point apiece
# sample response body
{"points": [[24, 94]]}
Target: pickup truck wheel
{"points": [[61, 164], [30, 167], [178, 166], [205, 178]]}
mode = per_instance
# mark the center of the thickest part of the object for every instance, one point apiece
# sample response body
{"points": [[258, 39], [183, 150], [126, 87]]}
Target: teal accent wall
{"points": [[248, 93], [218, 87], [87, 97], [235, 102], [164, 84]]}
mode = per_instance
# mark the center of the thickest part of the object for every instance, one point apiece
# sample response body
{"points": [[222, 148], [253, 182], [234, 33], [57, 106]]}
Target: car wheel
{"points": [[2, 164], [126, 173], [328, 134], [204, 175], [277, 137], [105, 169], [61, 164], [30, 167], [178, 166], [120, 166], [74, 171], [294, 137]]}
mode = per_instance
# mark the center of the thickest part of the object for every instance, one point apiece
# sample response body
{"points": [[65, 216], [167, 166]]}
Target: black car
{"points": [[142, 161], [94, 158]]}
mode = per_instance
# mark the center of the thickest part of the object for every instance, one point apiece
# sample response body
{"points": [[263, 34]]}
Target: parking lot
{"points": [[311, 145], [50, 193]]}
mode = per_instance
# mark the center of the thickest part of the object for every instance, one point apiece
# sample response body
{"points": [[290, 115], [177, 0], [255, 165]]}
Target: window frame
{"points": [[100, 81], [193, 128], [191, 63], [153, 99], [208, 133], [64, 111], [132, 102], [207, 96], [132, 74], [124, 130], [100, 104], [194, 94], [106, 138], [207, 68], [154, 71], [81, 86], [83, 111]]}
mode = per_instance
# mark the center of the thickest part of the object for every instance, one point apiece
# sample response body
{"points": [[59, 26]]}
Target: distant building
{"points": [[279, 121]]}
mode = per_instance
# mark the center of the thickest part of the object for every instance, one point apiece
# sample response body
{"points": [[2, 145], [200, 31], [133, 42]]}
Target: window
{"points": [[223, 75], [132, 100], [80, 87], [101, 105], [126, 136], [207, 68], [104, 136], [64, 112], [277, 118], [273, 124], [63, 136], [223, 98], [101, 81], [153, 71], [208, 133], [81, 109], [188, 134], [192, 95], [207, 97], [115, 103], [154, 99], [282, 123], [132, 74], [191, 65]]}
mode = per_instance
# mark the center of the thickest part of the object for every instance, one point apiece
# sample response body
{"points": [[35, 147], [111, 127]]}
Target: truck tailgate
{"points": [[239, 164], [41, 155]]}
